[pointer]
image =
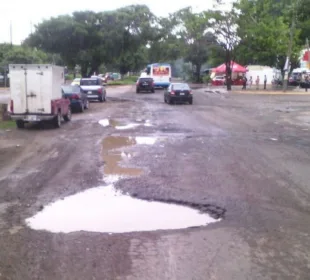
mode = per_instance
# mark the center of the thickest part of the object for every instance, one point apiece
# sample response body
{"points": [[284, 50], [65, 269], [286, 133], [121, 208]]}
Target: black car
{"points": [[178, 93], [294, 79], [78, 98], [145, 84]]}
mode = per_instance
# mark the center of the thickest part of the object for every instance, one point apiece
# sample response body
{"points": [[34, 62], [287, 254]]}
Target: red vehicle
{"points": [[219, 81], [36, 94]]}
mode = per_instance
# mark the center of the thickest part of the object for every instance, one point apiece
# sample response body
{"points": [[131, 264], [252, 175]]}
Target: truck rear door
{"points": [[38, 90], [18, 89]]}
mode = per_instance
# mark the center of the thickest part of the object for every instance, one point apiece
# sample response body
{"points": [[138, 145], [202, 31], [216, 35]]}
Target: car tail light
{"points": [[100, 90], [172, 92], [190, 92], [137, 83], [11, 106], [75, 96]]}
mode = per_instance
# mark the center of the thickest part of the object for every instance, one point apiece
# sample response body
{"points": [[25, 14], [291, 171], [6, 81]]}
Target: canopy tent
{"points": [[237, 68]]}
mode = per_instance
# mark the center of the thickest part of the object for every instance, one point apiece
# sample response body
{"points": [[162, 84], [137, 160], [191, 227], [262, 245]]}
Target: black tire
{"points": [[165, 99], [153, 91], [57, 120], [101, 98], [170, 101], [20, 124], [137, 90], [68, 116], [190, 102]]}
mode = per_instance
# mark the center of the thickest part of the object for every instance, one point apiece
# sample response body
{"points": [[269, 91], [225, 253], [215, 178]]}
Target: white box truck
{"points": [[36, 94]]}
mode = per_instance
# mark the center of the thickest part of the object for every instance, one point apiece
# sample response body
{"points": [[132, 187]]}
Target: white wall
{"points": [[270, 73]]}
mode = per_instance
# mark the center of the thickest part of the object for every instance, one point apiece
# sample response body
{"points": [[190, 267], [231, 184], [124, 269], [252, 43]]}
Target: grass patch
{"points": [[126, 81], [7, 124]]}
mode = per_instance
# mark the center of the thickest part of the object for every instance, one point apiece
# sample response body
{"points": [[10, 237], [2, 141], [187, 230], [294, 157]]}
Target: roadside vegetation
{"points": [[5, 121], [125, 40]]}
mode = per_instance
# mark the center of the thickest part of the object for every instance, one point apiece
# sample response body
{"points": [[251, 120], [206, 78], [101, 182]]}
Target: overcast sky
{"points": [[25, 13]]}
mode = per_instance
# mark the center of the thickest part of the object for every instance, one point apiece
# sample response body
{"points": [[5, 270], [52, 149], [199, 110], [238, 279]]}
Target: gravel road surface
{"points": [[244, 159]]}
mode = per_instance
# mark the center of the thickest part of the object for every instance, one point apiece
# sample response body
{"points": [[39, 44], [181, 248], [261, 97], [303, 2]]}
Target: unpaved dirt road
{"points": [[244, 158]]}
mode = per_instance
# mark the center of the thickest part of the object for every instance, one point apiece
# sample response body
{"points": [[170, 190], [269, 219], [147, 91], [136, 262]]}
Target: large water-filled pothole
{"points": [[104, 209], [112, 156], [124, 126]]}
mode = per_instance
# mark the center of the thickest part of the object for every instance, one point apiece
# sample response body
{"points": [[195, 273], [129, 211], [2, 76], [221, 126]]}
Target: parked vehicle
{"points": [[145, 84], [219, 81], [94, 88], [178, 93], [78, 98], [294, 79], [108, 77], [76, 82], [36, 94]]}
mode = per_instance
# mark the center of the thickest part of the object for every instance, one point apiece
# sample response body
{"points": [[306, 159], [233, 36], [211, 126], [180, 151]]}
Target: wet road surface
{"points": [[242, 159]]}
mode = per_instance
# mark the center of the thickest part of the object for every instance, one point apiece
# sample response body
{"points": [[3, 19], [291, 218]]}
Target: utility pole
{"points": [[11, 36]]}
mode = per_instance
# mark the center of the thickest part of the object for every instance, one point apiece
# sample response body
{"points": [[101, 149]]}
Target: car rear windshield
{"points": [[89, 82], [145, 80], [69, 89], [180, 87]]}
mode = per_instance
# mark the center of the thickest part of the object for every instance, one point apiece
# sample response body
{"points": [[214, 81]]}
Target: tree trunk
{"points": [[94, 69], [84, 70], [198, 69], [228, 70]]}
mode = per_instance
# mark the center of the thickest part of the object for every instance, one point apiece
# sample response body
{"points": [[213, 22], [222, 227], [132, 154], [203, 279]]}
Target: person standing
{"points": [[245, 80], [265, 82], [250, 82], [257, 82]]}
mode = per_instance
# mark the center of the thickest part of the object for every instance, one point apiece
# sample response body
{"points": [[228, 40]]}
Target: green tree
{"points": [[195, 40], [224, 27], [91, 39], [264, 29], [23, 55]]}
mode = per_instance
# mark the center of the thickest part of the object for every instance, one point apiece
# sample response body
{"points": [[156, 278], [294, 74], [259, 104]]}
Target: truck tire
{"points": [[20, 124], [68, 116], [57, 120]]}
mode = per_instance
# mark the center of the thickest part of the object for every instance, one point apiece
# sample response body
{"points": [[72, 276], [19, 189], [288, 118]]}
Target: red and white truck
{"points": [[35, 93]]}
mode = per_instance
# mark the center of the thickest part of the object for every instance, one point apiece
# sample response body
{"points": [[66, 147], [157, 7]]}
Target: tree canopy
{"points": [[126, 39]]}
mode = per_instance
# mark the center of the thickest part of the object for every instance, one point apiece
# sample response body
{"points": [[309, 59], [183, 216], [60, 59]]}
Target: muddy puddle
{"points": [[104, 209], [112, 155], [122, 126]]}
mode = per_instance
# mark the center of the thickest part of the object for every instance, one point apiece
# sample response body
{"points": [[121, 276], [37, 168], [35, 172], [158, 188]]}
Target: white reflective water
{"points": [[117, 125], [127, 126], [104, 122], [146, 140], [103, 209]]}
